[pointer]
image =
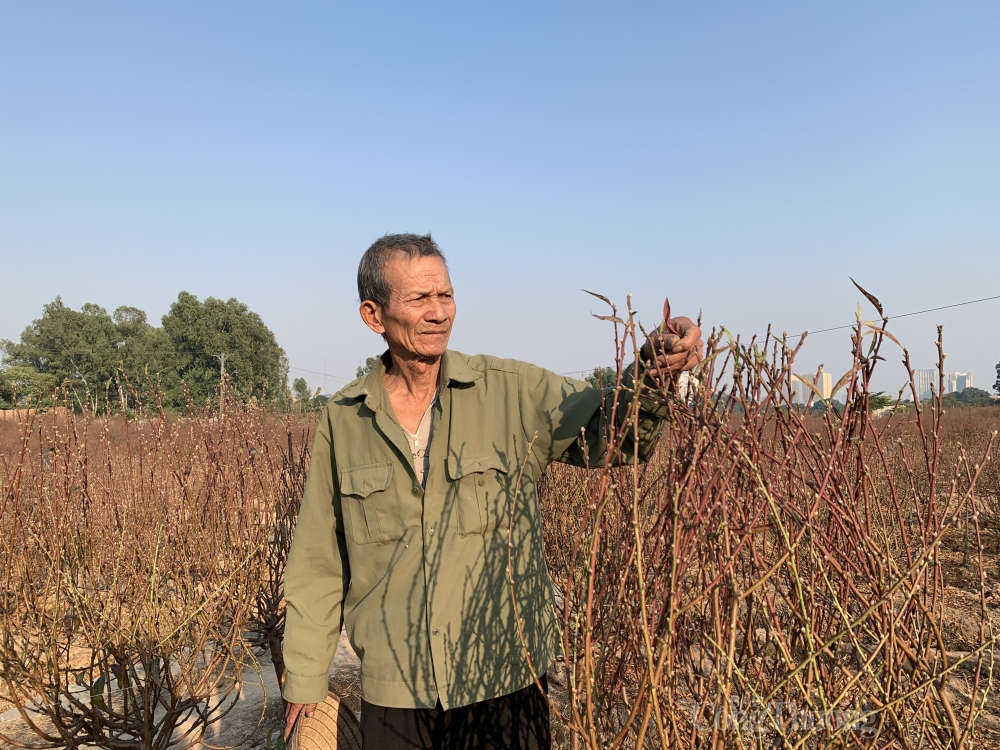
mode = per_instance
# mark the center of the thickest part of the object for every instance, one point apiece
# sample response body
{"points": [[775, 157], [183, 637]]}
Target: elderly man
{"points": [[403, 533]]}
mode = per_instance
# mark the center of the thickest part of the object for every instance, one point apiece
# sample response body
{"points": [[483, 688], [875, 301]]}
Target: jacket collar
{"points": [[366, 384], [456, 368], [453, 365]]}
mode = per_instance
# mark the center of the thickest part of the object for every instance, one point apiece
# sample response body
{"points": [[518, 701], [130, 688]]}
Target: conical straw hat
{"points": [[331, 727]]}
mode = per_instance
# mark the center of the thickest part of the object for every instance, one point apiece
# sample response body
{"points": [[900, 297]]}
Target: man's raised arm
{"points": [[560, 408]]}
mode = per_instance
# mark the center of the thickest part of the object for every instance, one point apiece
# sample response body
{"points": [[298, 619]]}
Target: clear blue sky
{"points": [[742, 158]]}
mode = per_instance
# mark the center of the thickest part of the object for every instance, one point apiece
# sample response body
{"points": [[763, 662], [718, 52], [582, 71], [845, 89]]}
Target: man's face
{"points": [[421, 306]]}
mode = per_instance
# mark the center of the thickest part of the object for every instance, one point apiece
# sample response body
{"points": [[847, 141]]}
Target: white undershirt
{"points": [[420, 442]]}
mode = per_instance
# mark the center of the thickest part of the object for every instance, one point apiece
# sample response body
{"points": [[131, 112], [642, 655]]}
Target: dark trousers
{"points": [[519, 721]]}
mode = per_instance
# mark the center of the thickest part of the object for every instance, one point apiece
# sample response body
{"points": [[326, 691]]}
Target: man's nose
{"points": [[438, 312]]}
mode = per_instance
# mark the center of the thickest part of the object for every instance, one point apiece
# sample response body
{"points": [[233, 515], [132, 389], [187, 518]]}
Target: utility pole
{"points": [[222, 382]]}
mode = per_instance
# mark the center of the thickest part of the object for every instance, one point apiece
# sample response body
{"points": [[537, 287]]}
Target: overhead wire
{"points": [[322, 374], [916, 312], [889, 317]]}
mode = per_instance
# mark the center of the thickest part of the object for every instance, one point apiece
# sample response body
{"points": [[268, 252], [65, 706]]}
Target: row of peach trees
{"points": [[774, 578], [140, 569], [769, 579]]}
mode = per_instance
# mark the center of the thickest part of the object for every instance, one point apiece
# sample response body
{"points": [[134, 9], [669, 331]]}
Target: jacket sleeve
{"points": [[573, 420], [316, 578]]}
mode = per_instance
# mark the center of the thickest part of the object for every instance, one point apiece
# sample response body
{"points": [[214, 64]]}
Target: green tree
{"points": [[86, 350], [19, 385], [968, 397], [300, 389], [370, 363], [975, 397], [603, 377], [78, 347], [147, 358], [879, 400], [820, 407], [305, 400], [207, 334], [996, 385]]}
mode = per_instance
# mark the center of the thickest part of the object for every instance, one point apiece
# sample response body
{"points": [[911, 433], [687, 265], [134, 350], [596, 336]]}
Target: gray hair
{"points": [[372, 283]]}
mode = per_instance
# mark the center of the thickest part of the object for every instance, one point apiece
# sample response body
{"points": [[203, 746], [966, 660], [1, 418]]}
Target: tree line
{"points": [[88, 353]]}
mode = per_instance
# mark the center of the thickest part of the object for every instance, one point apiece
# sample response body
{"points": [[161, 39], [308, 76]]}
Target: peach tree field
{"points": [[771, 578]]}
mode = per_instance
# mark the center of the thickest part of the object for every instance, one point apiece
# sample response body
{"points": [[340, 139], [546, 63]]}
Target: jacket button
{"points": [[416, 490], [482, 482], [435, 631]]}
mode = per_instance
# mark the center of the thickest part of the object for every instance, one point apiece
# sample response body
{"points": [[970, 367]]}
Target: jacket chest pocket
{"points": [[484, 492], [369, 504]]}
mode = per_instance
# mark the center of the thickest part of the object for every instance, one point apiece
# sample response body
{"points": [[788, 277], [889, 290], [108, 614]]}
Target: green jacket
{"points": [[419, 575]]}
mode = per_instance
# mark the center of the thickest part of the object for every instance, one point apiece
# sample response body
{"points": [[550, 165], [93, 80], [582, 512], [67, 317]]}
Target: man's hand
{"points": [[292, 711], [675, 346]]}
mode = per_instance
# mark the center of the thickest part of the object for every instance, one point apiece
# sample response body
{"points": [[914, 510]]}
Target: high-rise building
{"points": [[923, 379], [824, 382], [959, 381], [954, 382], [801, 393]]}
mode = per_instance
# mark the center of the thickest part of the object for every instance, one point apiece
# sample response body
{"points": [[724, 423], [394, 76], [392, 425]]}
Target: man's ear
{"points": [[371, 314]]}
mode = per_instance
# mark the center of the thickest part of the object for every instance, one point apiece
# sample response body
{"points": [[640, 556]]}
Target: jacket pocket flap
{"points": [[459, 466], [362, 481]]}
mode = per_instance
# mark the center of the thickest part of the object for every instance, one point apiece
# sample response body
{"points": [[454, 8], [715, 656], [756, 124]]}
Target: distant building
{"points": [[927, 381], [801, 393], [924, 379], [959, 381]]}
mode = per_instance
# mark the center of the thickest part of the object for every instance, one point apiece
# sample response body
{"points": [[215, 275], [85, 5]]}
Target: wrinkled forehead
{"points": [[422, 275]]}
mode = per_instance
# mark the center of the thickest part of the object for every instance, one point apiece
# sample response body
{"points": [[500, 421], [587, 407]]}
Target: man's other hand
{"points": [[292, 711], [674, 347]]}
